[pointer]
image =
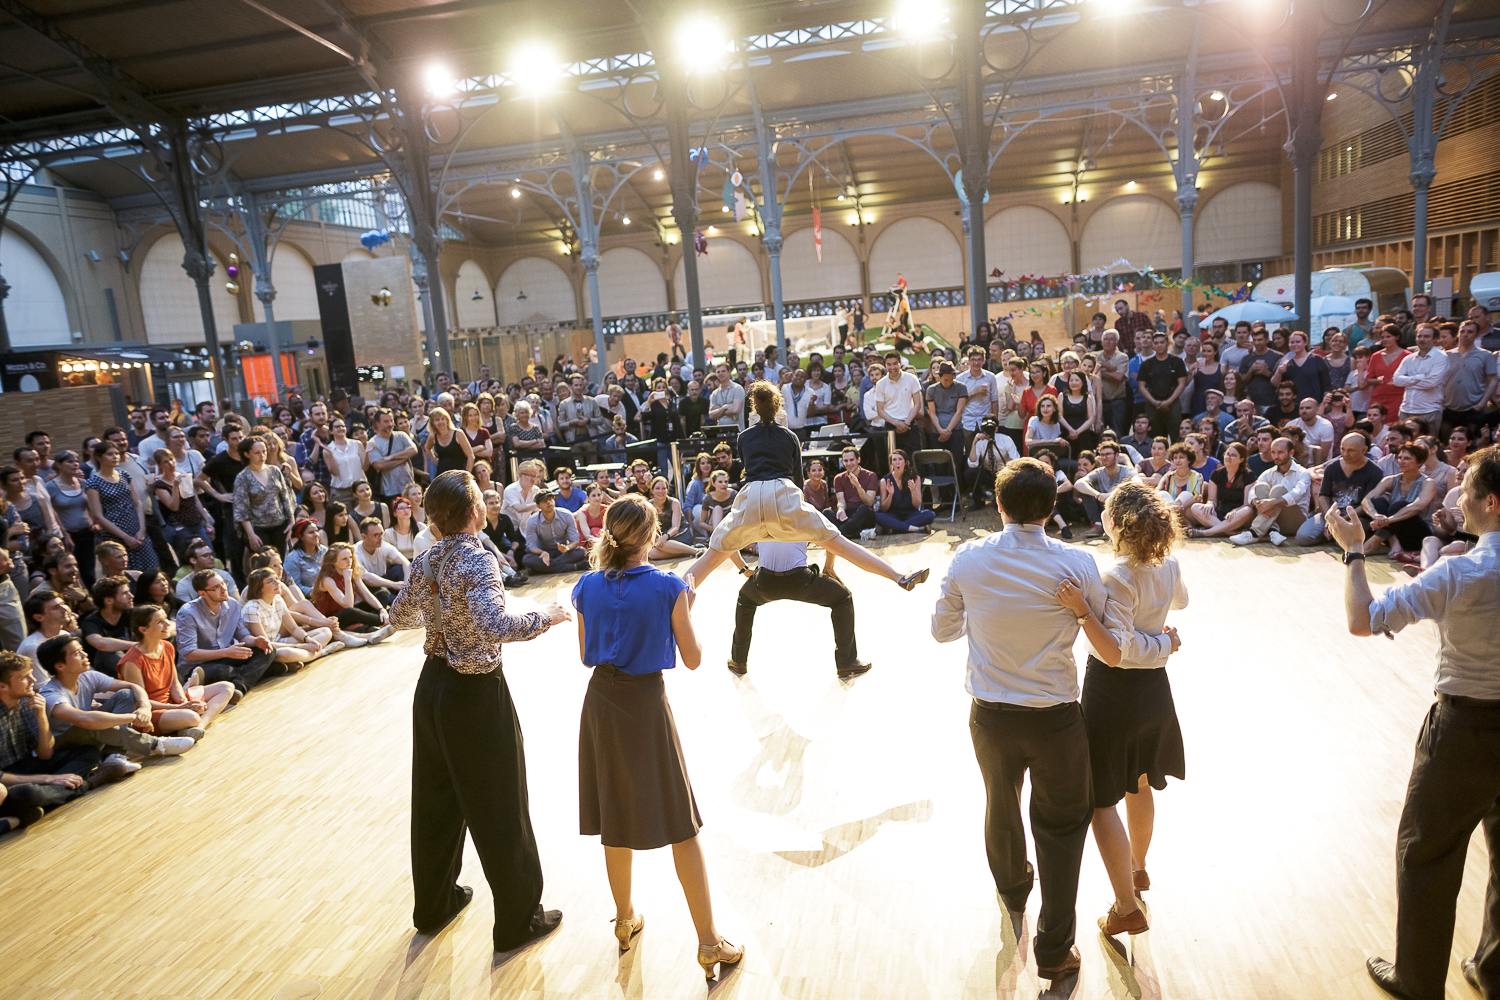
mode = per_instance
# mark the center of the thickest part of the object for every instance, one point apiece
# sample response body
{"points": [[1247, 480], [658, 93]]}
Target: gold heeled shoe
{"points": [[626, 930], [718, 954]]}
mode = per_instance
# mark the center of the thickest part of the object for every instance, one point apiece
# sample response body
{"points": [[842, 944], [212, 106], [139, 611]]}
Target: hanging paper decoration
{"points": [[728, 195], [818, 232], [741, 206], [700, 243], [374, 238], [1061, 280]]}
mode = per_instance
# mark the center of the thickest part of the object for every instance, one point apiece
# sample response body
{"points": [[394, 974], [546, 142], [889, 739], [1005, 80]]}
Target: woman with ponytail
{"points": [[1134, 738], [633, 790], [771, 507]]}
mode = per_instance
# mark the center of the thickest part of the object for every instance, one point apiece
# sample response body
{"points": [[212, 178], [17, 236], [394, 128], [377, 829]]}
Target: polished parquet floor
{"points": [[842, 824]]}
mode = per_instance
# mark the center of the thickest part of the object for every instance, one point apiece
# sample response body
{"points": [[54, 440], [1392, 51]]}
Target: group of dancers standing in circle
{"points": [[634, 621]]}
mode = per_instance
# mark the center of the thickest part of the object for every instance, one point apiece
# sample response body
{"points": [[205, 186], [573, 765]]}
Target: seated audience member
{"points": [[1224, 509], [1347, 480], [1204, 463], [501, 532], [47, 617], [113, 561], [1285, 409], [1317, 431], [1448, 537], [1214, 410], [384, 566], [988, 454], [856, 497], [901, 509], [298, 606], [569, 497], [86, 708], [552, 538], [590, 517], [1246, 423], [1150, 470], [35, 772], [613, 446], [1394, 507], [200, 555], [1065, 505], [155, 588], [1128, 455], [61, 576], [518, 502], [1279, 496], [638, 478], [724, 459], [1260, 454], [106, 632], [675, 539], [1181, 486], [212, 637], [1096, 486], [717, 502], [151, 665], [814, 488], [266, 615], [304, 554], [339, 591]]}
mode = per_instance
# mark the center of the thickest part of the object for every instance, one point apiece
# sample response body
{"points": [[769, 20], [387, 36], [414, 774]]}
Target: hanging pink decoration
{"points": [[818, 232], [700, 243]]}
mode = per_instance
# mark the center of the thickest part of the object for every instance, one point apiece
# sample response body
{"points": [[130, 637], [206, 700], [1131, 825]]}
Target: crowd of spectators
{"points": [[155, 575]]}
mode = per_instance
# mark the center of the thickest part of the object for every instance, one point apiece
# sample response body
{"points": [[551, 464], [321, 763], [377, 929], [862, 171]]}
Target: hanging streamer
{"points": [[818, 232]]}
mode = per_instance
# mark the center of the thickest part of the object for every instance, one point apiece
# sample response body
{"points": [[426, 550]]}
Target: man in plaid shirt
{"points": [[1129, 322], [313, 439]]}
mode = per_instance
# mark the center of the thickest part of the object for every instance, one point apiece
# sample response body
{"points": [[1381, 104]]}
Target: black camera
{"points": [[990, 426]]}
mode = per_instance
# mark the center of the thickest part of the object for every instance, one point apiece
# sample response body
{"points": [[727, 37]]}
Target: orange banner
{"points": [[259, 380]]}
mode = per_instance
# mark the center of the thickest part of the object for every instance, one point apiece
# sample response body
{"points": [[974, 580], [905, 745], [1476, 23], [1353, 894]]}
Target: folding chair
{"points": [[941, 458]]}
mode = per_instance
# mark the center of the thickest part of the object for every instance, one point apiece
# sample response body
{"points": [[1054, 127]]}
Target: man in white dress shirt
{"points": [[1455, 779], [1279, 497], [1000, 593], [1423, 374]]}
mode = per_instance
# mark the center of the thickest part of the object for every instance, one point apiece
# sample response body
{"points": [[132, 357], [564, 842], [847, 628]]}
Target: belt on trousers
{"points": [[1000, 706], [786, 572], [1458, 701]]}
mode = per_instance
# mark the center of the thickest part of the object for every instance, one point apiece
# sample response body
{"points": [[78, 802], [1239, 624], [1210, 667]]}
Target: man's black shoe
{"points": [[1384, 974], [1471, 974], [544, 923], [738, 669], [468, 895], [855, 669]]}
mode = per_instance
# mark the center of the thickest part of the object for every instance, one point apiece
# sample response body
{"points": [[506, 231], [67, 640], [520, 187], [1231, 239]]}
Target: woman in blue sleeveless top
{"points": [[633, 789]]}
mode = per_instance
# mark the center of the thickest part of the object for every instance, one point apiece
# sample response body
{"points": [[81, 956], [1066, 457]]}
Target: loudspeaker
{"points": [[338, 338]]}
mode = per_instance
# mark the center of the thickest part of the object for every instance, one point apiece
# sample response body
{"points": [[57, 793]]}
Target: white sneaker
{"points": [[1277, 538], [1243, 538], [867, 535], [171, 746], [350, 639], [122, 760]]}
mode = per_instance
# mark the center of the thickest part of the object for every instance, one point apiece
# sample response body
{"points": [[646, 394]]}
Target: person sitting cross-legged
{"points": [[1279, 497], [339, 591], [299, 607], [383, 564], [152, 665], [35, 772], [86, 708], [856, 496], [211, 635], [47, 617], [782, 574], [266, 615], [552, 539]]}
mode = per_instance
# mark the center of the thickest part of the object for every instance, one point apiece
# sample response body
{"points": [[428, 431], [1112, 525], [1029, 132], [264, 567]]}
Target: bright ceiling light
{"points": [[438, 80], [534, 67], [656, 176], [700, 36], [1130, 185], [1332, 96], [1217, 95], [515, 192], [625, 220], [725, 208], [713, 230], [841, 197], [918, 18]]}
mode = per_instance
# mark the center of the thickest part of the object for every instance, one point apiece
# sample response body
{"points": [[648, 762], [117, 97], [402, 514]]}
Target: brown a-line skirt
{"points": [[633, 788]]}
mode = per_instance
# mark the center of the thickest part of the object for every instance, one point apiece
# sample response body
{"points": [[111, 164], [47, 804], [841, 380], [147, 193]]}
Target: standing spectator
{"points": [[115, 505], [1381, 371], [1256, 369], [1471, 383], [389, 454], [183, 515], [263, 500], [1422, 376], [447, 447], [1162, 379], [983, 394], [1361, 329], [898, 402], [1307, 372], [70, 500], [1231, 355], [1131, 322], [346, 461], [219, 475], [726, 404]]}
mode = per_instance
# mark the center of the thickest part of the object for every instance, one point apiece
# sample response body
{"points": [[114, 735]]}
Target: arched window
{"points": [[728, 275], [803, 278], [36, 314], [630, 284], [1137, 227], [549, 293], [922, 250], [169, 298]]}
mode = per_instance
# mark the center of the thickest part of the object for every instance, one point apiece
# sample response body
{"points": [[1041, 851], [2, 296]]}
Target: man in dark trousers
{"points": [[1000, 594], [1455, 778], [468, 760], [783, 574]]}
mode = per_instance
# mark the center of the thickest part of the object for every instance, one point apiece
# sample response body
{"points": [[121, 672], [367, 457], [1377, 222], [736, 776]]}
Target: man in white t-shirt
{"points": [[797, 398], [376, 558], [1317, 431], [898, 401]]}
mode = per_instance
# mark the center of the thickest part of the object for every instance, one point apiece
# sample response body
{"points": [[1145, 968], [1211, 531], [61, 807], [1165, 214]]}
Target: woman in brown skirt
{"points": [[633, 789]]}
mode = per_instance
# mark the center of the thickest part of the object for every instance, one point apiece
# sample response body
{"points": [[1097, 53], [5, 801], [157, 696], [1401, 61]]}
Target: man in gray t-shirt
{"points": [[391, 452], [1094, 487], [946, 399], [1471, 379]]}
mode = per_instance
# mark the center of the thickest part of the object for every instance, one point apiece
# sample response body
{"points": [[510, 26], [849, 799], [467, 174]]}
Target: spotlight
{"points": [[699, 36], [1130, 185], [438, 80], [1332, 97], [841, 197], [625, 220], [515, 192], [919, 18], [1217, 95], [657, 175], [535, 67]]}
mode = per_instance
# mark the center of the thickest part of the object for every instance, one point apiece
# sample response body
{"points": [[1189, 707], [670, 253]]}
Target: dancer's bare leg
{"points": [[693, 874], [861, 557], [617, 865], [1114, 849], [1140, 813]]}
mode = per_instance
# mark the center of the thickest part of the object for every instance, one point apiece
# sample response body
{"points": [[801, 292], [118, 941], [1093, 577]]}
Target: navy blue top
{"points": [[627, 618]]}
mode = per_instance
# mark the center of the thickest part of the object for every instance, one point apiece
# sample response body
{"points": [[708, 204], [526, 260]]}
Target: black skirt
{"points": [[1132, 727]]}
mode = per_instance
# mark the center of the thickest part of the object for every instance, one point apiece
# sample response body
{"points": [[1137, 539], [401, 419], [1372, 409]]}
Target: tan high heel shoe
{"points": [[718, 954], [625, 930]]}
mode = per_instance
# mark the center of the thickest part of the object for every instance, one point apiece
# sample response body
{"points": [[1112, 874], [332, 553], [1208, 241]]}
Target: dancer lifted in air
{"points": [[771, 508]]}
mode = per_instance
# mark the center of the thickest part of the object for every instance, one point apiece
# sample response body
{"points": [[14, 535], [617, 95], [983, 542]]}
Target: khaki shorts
{"points": [[770, 512]]}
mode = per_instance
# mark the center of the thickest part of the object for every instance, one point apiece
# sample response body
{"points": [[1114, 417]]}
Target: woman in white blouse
{"points": [[265, 614], [346, 461]]}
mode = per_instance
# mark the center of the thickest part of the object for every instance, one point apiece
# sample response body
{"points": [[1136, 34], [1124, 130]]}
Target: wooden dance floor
{"points": [[843, 823]]}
